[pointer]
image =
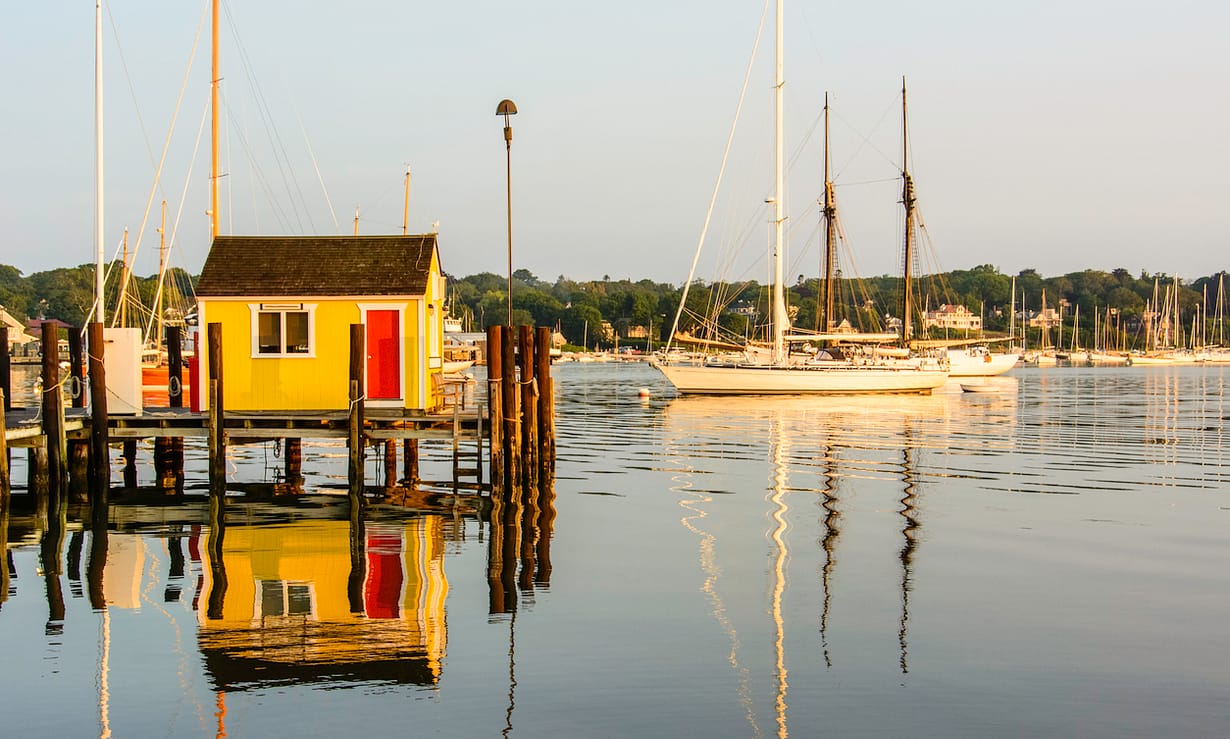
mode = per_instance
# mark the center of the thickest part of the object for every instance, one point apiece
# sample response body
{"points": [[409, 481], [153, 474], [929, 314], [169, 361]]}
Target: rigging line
{"points": [[691, 502], [717, 185], [157, 186], [172, 243], [263, 183], [867, 182], [866, 141], [131, 90], [280, 155], [316, 166]]}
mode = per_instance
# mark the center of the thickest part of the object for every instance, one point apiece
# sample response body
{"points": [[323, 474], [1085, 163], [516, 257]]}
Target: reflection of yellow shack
{"points": [[296, 609]]}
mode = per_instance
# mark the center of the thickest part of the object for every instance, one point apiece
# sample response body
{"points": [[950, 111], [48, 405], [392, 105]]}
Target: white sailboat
{"points": [[782, 374]]}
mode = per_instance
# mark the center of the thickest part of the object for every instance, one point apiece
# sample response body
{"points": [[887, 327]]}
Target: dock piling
{"points": [[217, 428], [53, 411], [511, 411], [100, 453], [358, 355], [529, 405], [5, 485], [546, 402]]}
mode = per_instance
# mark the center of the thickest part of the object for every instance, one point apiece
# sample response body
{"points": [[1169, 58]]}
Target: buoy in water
{"points": [[644, 392]]}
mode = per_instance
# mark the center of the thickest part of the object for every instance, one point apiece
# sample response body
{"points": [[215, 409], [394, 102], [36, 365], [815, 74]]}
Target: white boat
{"points": [[980, 361], [452, 368], [1005, 385], [779, 374]]}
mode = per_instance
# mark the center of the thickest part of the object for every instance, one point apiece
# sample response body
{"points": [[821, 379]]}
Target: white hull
{"points": [[1105, 358], [846, 380], [1162, 359], [962, 363], [452, 368]]}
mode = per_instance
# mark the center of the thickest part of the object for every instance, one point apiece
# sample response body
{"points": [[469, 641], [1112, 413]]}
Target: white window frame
{"points": [[258, 308], [258, 602]]}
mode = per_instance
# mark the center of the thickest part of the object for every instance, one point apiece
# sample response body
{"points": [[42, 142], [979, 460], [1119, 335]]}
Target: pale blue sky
{"points": [[1054, 135]]}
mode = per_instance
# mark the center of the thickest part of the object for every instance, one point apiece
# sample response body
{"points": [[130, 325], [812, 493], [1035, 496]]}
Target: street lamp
{"points": [[507, 108]]}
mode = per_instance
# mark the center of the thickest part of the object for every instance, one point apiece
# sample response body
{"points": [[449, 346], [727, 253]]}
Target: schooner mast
{"points": [[829, 210], [908, 200]]}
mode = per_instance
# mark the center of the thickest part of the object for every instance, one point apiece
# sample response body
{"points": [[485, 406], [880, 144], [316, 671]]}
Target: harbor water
{"points": [[1045, 559]]}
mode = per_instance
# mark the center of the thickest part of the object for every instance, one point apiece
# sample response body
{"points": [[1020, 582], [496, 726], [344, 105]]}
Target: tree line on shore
{"points": [[600, 312]]}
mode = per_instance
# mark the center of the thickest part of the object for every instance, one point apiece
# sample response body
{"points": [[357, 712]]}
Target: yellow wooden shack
{"points": [[286, 304]]}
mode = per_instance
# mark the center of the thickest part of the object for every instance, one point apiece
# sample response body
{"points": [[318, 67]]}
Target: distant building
{"points": [[1045, 318], [952, 317], [18, 335]]}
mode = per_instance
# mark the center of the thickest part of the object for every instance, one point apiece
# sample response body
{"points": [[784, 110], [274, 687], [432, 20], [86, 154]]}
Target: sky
{"points": [[1055, 136]]}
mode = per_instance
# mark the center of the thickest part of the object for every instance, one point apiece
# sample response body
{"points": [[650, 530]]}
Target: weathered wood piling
{"points": [[100, 455], [358, 353], [521, 409], [217, 415]]}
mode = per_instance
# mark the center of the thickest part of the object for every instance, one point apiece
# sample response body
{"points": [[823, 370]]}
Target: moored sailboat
{"points": [[782, 373]]}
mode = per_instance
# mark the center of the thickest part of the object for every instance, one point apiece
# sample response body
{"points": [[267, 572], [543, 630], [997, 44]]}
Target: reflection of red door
{"points": [[382, 590], [383, 357]]}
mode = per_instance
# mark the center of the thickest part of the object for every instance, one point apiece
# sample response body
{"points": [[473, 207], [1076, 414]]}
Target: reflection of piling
{"points": [[4, 530], [545, 527], [100, 454], [53, 412], [175, 571], [217, 429], [51, 556], [358, 561], [217, 567], [97, 563], [355, 439]]}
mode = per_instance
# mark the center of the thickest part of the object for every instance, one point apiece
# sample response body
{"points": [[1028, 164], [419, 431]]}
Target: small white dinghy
{"points": [[989, 385]]}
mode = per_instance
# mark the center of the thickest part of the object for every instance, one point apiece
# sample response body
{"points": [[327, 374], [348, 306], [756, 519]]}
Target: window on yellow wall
{"points": [[282, 332]]}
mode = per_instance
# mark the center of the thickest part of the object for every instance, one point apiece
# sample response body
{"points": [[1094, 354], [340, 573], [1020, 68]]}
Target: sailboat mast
{"points": [[1012, 314], [907, 199], [779, 300], [405, 213], [830, 228], [162, 276], [98, 163], [214, 212]]}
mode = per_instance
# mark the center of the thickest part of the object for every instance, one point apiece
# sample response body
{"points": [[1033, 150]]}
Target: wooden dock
{"points": [[66, 444]]}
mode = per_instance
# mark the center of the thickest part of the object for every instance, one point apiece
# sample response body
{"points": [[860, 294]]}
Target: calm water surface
{"points": [[1046, 560]]}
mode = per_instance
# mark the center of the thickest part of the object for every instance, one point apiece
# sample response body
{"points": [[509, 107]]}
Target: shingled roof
{"points": [[262, 266]]}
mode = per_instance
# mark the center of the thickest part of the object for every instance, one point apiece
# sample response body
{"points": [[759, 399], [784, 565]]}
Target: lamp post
{"points": [[507, 108]]}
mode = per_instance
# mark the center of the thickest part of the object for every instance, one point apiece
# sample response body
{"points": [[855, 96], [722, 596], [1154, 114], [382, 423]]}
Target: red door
{"points": [[383, 357]]}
